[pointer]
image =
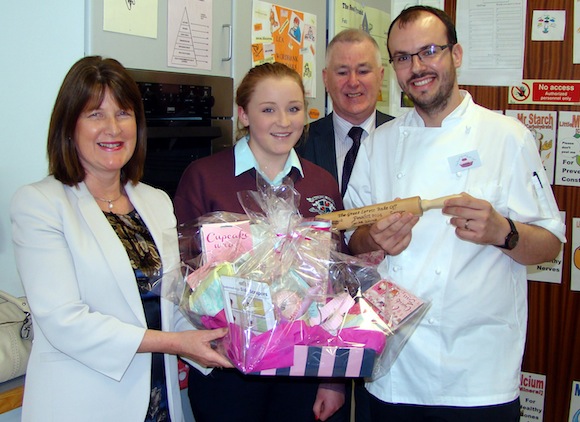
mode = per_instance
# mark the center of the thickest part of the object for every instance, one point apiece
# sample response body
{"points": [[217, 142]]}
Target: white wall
{"points": [[39, 42]]}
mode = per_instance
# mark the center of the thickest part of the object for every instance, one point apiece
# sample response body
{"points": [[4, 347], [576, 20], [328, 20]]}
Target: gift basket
{"points": [[292, 303]]}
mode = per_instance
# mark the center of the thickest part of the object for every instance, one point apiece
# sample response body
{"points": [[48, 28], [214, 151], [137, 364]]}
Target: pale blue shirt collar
{"points": [[245, 160]]}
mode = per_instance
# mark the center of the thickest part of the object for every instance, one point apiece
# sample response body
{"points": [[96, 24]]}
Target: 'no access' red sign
{"points": [[545, 92]]}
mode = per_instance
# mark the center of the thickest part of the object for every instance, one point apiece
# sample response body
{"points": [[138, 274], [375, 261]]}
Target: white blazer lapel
{"points": [[113, 250], [156, 210]]}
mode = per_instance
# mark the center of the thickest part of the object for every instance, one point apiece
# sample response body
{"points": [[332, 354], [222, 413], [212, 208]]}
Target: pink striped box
{"points": [[314, 361]]}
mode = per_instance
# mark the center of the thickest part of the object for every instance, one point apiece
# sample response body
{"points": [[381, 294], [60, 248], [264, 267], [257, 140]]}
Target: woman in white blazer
{"points": [[88, 239]]}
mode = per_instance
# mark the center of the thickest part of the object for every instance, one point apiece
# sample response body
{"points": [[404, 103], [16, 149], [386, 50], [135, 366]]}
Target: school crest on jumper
{"points": [[321, 204]]}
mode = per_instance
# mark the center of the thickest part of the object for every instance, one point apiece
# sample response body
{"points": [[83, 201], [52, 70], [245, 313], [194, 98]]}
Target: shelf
{"points": [[11, 393]]}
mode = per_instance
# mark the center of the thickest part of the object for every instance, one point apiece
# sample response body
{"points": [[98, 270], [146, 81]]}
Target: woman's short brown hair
{"points": [[84, 87]]}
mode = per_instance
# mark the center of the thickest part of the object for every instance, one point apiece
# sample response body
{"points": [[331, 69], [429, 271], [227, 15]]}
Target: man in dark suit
{"points": [[353, 76]]}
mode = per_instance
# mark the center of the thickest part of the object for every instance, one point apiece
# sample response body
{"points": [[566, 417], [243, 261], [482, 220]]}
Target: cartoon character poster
{"points": [[281, 34]]}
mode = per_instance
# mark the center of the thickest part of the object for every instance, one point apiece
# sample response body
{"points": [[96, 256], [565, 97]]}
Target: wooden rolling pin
{"points": [[348, 219]]}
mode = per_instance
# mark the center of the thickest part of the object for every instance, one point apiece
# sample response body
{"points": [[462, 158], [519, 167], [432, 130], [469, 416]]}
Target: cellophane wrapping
{"points": [[292, 303]]}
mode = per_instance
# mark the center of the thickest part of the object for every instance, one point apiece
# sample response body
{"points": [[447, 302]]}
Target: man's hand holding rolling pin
{"points": [[391, 234], [475, 220]]}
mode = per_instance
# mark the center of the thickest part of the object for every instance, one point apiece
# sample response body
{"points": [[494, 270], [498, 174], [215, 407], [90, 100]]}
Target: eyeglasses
{"points": [[403, 61]]}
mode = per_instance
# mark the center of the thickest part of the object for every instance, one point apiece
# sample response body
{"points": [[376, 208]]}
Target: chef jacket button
{"points": [[405, 133], [438, 271], [396, 268], [431, 321], [400, 176], [458, 174]]}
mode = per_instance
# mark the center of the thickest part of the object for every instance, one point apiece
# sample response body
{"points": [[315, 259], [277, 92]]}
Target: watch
{"points": [[511, 240]]}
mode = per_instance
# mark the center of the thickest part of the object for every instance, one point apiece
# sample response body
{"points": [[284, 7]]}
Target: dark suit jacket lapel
{"points": [[382, 118], [325, 147]]}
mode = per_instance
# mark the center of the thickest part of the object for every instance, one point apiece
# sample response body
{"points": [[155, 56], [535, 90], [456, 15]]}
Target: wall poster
{"points": [[575, 273], [532, 392], [575, 402], [576, 32], [551, 271], [543, 125], [492, 34], [548, 25], [189, 34], [568, 149], [131, 18], [288, 36]]}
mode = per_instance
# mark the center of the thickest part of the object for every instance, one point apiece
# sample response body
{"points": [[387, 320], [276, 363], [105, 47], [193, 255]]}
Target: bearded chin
{"points": [[434, 104]]}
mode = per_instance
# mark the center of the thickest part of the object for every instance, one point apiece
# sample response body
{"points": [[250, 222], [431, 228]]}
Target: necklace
{"points": [[109, 201]]}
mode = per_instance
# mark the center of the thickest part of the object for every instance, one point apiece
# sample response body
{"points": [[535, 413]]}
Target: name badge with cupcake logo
{"points": [[466, 161]]}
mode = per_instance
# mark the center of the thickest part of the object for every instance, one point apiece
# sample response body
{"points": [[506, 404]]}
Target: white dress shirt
{"points": [[343, 142]]}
